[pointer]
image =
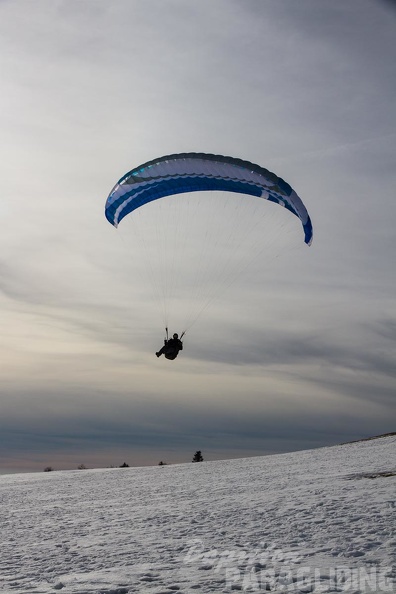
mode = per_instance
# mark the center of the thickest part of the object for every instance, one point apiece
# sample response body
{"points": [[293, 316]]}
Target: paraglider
{"points": [[201, 174], [192, 172], [171, 347]]}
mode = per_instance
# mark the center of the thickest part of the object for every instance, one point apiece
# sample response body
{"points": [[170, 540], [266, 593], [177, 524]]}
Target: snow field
{"points": [[300, 522]]}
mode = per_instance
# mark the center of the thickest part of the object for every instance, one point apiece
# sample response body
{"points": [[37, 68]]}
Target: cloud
{"points": [[295, 354]]}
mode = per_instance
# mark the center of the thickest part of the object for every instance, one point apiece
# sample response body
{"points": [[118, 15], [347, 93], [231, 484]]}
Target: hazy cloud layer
{"points": [[298, 351]]}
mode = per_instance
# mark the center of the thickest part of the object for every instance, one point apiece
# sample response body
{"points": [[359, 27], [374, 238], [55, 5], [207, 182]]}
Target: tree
{"points": [[198, 456]]}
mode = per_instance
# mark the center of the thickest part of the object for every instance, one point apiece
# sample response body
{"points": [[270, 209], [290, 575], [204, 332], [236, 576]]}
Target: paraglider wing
{"points": [[193, 172]]}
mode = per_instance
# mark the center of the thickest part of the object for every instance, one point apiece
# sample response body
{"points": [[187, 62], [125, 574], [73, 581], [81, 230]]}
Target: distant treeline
{"points": [[196, 458]]}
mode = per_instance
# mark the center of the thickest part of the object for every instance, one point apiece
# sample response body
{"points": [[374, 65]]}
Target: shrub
{"points": [[198, 456]]}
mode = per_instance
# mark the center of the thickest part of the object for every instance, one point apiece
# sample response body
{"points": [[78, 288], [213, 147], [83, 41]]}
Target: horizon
{"points": [[169, 463]]}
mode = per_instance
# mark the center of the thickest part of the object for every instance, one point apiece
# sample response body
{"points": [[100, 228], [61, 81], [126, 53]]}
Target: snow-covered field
{"points": [[305, 521]]}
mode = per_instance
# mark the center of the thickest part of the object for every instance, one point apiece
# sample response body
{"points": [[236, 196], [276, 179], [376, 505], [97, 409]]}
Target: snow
{"points": [[315, 521]]}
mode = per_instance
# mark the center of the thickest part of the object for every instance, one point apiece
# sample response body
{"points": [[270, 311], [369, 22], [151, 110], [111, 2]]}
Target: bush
{"points": [[198, 456]]}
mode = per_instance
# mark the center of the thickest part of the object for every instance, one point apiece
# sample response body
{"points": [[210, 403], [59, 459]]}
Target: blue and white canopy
{"points": [[193, 172]]}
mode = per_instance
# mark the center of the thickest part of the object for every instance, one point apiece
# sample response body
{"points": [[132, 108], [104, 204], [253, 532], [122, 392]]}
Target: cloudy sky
{"points": [[291, 356]]}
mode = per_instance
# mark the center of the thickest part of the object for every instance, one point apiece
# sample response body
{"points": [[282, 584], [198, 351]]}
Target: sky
{"points": [[296, 353]]}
